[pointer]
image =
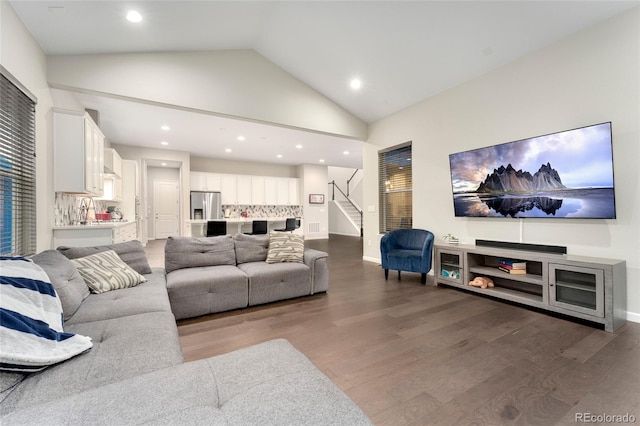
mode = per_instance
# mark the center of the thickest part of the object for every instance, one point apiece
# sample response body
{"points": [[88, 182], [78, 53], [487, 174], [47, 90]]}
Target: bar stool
{"points": [[216, 227]]}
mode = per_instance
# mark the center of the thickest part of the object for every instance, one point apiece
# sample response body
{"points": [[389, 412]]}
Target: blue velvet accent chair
{"points": [[409, 250]]}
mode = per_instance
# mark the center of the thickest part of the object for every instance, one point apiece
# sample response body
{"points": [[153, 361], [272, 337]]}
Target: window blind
{"points": [[395, 188], [17, 170]]}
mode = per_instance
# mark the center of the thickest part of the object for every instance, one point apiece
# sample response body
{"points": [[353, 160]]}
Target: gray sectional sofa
{"points": [[135, 374], [215, 274]]}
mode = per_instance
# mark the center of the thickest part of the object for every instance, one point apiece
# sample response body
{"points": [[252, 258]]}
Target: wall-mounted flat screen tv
{"points": [[566, 174]]}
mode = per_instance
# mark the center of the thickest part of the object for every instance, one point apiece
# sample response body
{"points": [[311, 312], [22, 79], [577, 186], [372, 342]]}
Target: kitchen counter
{"points": [[95, 225], [97, 233]]}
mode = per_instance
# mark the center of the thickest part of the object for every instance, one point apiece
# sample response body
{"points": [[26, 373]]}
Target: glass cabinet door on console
{"points": [[577, 288]]}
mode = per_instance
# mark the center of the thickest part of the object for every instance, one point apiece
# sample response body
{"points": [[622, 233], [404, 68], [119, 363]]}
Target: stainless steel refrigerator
{"points": [[206, 205]]}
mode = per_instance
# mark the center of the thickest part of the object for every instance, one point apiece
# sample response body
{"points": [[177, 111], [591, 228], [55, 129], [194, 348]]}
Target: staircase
{"points": [[351, 212]]}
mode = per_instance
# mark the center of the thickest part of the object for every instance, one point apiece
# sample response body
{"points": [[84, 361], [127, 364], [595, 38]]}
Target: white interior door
{"points": [[166, 208]]}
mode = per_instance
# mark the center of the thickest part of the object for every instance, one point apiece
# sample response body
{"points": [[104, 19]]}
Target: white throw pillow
{"points": [[105, 271], [285, 247]]}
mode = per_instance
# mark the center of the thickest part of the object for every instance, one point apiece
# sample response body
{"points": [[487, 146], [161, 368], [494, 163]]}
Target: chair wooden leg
{"points": [[423, 280], [398, 275], [386, 274]]}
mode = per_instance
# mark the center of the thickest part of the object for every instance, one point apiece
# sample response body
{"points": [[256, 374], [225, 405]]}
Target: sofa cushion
{"points": [[190, 252], [70, 287], [207, 289], [269, 282], [123, 348], [285, 247], [31, 319], [131, 252], [251, 248], [105, 271], [150, 296], [271, 383]]}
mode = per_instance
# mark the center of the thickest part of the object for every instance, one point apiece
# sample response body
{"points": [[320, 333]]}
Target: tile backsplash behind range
{"points": [[67, 208]]}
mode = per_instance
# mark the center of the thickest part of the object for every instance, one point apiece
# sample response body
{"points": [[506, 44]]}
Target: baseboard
{"points": [[633, 316], [345, 234], [321, 237], [371, 259]]}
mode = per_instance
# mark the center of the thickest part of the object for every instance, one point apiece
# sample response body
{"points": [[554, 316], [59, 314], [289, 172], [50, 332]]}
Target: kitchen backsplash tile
{"points": [[67, 208], [263, 211]]}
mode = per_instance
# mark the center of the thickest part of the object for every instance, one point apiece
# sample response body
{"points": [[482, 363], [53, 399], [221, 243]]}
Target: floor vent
{"points": [[314, 227]]}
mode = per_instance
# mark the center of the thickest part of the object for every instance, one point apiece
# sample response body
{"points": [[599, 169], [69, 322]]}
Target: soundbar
{"points": [[523, 246]]}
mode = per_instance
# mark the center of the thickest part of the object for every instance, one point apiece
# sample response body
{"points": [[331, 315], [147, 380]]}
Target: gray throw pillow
{"points": [[105, 271], [191, 252], [66, 280], [251, 248], [131, 252]]}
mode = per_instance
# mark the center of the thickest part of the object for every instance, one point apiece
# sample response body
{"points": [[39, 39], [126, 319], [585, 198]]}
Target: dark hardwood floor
{"points": [[410, 354]]}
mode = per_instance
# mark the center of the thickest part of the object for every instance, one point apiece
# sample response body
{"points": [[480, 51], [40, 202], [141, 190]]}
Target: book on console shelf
{"points": [[513, 271], [513, 263]]}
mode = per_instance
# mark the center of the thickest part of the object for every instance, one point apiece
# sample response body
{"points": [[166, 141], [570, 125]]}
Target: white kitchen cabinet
{"points": [[244, 189], [112, 163], [228, 189], [270, 191], [257, 190], [282, 197], [203, 181], [112, 190], [294, 188], [78, 153]]}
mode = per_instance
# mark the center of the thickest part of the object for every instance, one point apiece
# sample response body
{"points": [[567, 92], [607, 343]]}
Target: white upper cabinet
{"points": [[244, 190], [270, 191], [282, 197], [229, 189], [257, 190], [294, 188], [78, 153], [248, 190], [112, 163], [202, 181]]}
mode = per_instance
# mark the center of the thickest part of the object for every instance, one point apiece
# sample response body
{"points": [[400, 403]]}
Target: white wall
{"points": [[313, 180], [239, 83], [588, 78], [21, 55]]}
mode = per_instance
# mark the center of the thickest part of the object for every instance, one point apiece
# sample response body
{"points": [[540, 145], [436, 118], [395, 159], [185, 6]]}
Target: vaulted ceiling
{"points": [[402, 52]]}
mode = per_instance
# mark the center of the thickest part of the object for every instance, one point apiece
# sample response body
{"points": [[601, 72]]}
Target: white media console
{"points": [[592, 289]]}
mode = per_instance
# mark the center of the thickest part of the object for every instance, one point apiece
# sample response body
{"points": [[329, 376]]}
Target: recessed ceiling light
{"points": [[227, 150], [165, 143], [356, 84], [165, 128], [299, 146], [163, 164], [346, 153], [279, 155], [321, 160], [134, 16], [240, 138]]}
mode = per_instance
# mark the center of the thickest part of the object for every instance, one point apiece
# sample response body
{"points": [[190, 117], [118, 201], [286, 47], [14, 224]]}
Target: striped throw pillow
{"points": [[105, 271], [285, 247], [31, 333]]}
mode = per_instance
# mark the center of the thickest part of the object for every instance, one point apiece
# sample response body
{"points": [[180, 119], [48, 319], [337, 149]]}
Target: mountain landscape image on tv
{"points": [[566, 174]]}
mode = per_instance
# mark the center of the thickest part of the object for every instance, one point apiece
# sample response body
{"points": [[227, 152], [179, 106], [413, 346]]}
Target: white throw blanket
{"points": [[31, 334]]}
